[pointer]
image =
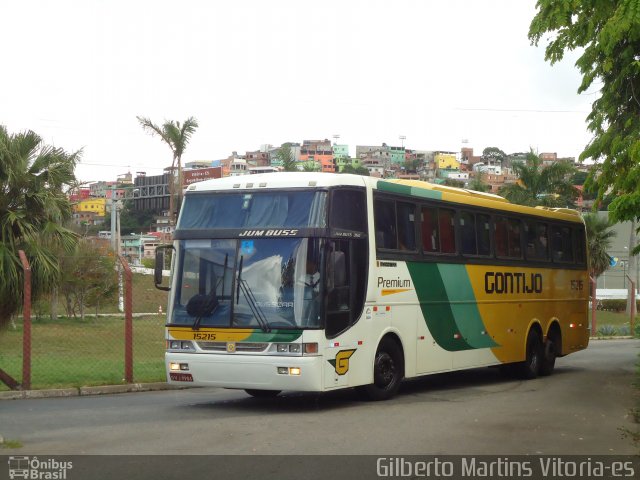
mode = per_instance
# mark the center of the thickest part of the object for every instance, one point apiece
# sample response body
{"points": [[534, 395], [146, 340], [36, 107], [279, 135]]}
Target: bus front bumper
{"points": [[260, 372]]}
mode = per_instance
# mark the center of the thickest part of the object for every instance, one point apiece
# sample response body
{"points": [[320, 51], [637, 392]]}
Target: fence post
{"points": [[128, 321], [26, 326], [594, 302], [633, 306]]}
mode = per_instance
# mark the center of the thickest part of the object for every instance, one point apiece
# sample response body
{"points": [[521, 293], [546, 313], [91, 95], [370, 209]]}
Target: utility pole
{"points": [[631, 263], [113, 218]]}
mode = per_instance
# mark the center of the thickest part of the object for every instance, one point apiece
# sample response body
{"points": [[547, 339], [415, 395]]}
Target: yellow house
{"points": [[95, 205], [447, 160]]}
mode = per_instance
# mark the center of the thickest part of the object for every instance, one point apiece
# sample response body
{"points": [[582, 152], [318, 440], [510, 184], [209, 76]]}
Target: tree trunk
{"points": [[53, 314]]}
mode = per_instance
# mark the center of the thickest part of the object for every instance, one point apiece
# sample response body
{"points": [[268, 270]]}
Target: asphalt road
{"points": [[578, 410]]}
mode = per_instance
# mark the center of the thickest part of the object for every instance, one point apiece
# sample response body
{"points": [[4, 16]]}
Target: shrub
{"points": [[624, 330], [607, 331], [149, 262], [613, 305]]}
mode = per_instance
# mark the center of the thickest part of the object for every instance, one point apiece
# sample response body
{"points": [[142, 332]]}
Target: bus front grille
{"points": [[239, 347]]}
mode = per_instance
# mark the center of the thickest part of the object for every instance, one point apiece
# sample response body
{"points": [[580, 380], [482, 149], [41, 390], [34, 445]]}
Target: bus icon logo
{"points": [[18, 467]]}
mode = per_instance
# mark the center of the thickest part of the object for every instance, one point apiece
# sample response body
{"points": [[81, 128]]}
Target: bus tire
{"points": [[549, 356], [388, 371], [262, 393], [530, 368]]}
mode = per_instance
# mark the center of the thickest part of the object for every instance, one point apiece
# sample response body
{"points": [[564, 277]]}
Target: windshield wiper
{"points": [[251, 300]]}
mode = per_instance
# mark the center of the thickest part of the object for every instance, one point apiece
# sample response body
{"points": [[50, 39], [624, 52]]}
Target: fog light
{"points": [[294, 370], [310, 348], [174, 366], [184, 366], [283, 370]]}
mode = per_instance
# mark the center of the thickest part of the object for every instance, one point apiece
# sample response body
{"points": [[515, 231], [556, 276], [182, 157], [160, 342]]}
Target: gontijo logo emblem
{"points": [[341, 362]]}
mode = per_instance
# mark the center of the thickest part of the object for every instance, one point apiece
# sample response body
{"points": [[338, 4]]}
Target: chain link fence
{"points": [[74, 350]]}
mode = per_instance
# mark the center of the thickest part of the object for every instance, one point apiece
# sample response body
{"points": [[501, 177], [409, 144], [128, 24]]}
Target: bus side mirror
{"points": [[159, 267]]}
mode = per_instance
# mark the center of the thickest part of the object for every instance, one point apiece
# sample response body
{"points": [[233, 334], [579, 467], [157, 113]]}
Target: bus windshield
{"points": [[267, 283], [281, 209]]}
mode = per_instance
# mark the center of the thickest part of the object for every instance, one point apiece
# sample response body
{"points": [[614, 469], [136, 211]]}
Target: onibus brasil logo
{"points": [[35, 469]]}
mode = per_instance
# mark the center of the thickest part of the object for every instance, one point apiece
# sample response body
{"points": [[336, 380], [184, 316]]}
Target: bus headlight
{"points": [[180, 345]]}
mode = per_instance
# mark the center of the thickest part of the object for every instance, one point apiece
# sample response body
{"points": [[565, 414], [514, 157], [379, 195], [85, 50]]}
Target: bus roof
{"points": [[278, 180], [472, 197]]}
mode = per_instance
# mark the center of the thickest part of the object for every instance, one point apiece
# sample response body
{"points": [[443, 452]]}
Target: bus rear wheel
{"points": [[263, 393], [388, 370], [530, 368]]}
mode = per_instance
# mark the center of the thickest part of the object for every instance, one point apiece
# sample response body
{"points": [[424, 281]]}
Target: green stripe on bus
{"points": [[463, 304], [274, 336], [435, 306], [408, 190]]}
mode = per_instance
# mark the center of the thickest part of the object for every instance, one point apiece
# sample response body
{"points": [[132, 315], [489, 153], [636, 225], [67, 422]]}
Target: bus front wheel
{"points": [[388, 371], [263, 393], [530, 368]]}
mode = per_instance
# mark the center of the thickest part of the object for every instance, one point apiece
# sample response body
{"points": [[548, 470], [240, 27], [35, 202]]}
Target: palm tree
{"points": [[549, 186], [599, 237], [33, 210], [176, 136]]}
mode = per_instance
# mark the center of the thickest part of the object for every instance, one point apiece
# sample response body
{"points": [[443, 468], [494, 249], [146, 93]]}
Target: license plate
{"points": [[181, 377]]}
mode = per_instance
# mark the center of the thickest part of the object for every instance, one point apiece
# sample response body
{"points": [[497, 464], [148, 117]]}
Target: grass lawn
{"points": [[146, 297], [613, 319], [75, 353]]}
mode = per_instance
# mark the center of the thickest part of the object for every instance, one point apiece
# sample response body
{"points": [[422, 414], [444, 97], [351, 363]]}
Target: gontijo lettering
{"points": [[518, 282]]}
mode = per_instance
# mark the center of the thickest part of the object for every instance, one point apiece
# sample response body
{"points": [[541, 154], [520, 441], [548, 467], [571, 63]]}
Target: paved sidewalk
{"points": [[83, 391]]}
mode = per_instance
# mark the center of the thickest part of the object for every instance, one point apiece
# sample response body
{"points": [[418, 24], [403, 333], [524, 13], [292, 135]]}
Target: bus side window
{"points": [[447, 230], [562, 244], [385, 224], [349, 210], [580, 247], [346, 284], [467, 222], [500, 226], [515, 245], [483, 230], [406, 226], [429, 227], [537, 241]]}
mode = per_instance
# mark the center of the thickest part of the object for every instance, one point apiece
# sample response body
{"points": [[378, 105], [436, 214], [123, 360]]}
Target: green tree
{"points": [[359, 170], [33, 210], [608, 34], [452, 182], [599, 238], [311, 167], [286, 157], [537, 184], [478, 184], [89, 278], [493, 155], [176, 136]]}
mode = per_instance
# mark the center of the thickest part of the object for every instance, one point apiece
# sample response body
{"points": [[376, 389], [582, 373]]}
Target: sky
{"points": [[443, 74]]}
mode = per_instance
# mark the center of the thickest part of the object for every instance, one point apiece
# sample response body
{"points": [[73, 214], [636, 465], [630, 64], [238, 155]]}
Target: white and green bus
{"points": [[315, 282]]}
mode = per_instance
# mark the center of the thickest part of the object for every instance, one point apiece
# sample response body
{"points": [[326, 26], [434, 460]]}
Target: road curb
{"points": [[616, 337], [85, 391]]}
